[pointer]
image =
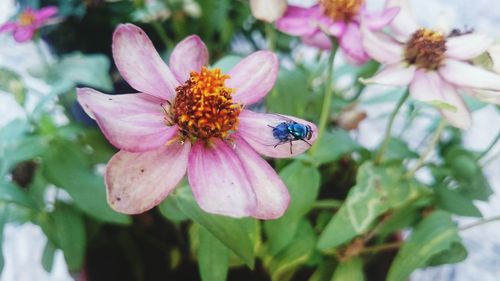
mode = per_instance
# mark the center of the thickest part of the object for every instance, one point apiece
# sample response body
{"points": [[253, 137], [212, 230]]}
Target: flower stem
{"points": [[490, 147], [382, 247], [327, 99], [388, 129], [328, 204], [161, 32], [480, 222], [271, 37], [434, 141]]}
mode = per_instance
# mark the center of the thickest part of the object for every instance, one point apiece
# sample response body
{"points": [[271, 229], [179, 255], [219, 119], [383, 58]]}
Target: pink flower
{"points": [[434, 65], [188, 118], [339, 18], [28, 22]]}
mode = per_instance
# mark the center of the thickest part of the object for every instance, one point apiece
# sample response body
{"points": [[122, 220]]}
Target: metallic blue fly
{"points": [[290, 131]]}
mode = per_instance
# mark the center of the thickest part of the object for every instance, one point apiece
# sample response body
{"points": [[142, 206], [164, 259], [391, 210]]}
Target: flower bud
{"points": [[268, 10]]}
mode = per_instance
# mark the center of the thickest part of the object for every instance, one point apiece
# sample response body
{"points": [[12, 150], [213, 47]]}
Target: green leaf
{"points": [[456, 253], [90, 70], [236, 234], [12, 83], [70, 234], [66, 166], [303, 183], [12, 193], [4, 216], [289, 95], [333, 145], [453, 201], [350, 270], [169, 209], [377, 190], [283, 264], [213, 257], [398, 150], [227, 63], [432, 236], [324, 271], [468, 173], [442, 105], [48, 256]]}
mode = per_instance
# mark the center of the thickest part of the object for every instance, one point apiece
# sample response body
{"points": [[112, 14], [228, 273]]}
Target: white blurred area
{"points": [[23, 245]]}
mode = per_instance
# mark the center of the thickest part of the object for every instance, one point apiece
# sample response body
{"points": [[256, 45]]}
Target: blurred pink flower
{"points": [[434, 65], [189, 118], [338, 18], [29, 21]]}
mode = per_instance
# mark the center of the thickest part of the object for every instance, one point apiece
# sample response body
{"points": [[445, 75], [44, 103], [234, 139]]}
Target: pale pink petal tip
{"points": [[469, 76], [257, 130], [140, 64], [299, 21], [253, 77], [381, 47], [131, 122], [378, 20], [189, 55], [136, 182], [219, 182], [467, 46]]}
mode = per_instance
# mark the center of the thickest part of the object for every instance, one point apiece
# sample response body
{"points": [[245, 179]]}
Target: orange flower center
{"points": [[426, 49], [203, 107], [341, 10], [26, 18]]}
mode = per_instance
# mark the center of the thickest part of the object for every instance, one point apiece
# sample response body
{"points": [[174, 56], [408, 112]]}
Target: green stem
{"points": [[480, 222], [382, 247], [388, 129], [327, 99], [434, 141], [328, 204], [161, 32], [490, 147], [271, 37]]}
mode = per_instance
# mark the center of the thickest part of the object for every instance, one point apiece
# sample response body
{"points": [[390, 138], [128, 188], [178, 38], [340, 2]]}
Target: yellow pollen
{"points": [[426, 49], [203, 107], [26, 18], [341, 10]]}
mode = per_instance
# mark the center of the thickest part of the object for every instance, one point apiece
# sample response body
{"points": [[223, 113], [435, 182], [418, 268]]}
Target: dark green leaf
{"points": [[434, 235], [283, 264], [453, 201], [456, 253], [48, 256], [350, 270], [333, 145], [70, 233], [324, 271], [169, 209], [377, 190], [213, 257], [4, 216], [237, 234], [66, 166], [303, 184], [398, 150], [12, 193]]}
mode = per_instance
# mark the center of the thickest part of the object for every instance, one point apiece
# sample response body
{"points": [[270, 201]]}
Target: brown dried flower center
{"points": [[203, 107], [341, 10], [426, 49]]}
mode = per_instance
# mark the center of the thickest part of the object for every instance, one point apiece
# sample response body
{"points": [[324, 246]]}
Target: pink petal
{"points": [[467, 75], [131, 122], [24, 33], [45, 13], [219, 181], [350, 42], [8, 26], [140, 64], [381, 47], [486, 96], [253, 77], [404, 23], [189, 55], [460, 118], [429, 86], [467, 46], [378, 20], [299, 21], [426, 86], [318, 40], [398, 74], [270, 191], [256, 129], [136, 182], [336, 29]]}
